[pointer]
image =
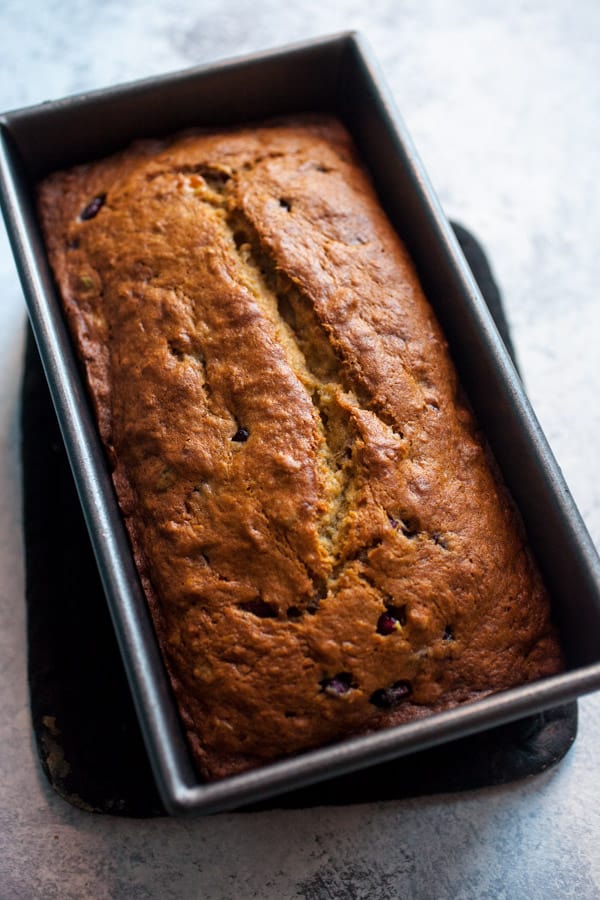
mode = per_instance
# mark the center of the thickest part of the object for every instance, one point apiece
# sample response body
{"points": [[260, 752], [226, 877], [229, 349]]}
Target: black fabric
{"points": [[86, 731]]}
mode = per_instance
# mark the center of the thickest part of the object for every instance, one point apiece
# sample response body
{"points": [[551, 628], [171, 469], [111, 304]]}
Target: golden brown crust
{"points": [[325, 547]]}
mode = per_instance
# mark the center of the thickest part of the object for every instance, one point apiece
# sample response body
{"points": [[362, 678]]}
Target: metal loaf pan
{"points": [[335, 74]]}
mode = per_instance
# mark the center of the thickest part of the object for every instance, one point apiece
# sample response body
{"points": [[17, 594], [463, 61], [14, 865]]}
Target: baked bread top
{"points": [[321, 532]]}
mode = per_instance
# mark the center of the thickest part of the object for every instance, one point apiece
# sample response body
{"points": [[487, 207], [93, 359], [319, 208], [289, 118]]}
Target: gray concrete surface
{"points": [[503, 102]]}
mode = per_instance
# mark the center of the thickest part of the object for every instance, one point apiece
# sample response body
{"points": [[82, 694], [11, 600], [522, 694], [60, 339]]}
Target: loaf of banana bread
{"points": [[321, 532]]}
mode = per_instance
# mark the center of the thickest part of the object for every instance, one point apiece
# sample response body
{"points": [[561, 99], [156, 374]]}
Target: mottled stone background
{"points": [[503, 102]]}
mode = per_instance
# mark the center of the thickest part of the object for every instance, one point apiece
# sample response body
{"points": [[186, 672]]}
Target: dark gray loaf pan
{"points": [[336, 75]]}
